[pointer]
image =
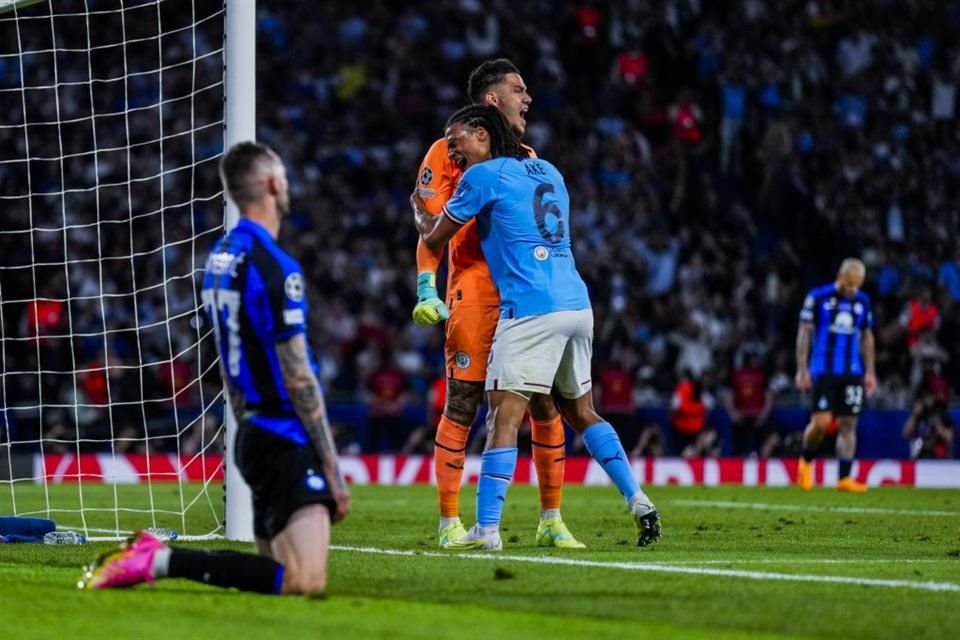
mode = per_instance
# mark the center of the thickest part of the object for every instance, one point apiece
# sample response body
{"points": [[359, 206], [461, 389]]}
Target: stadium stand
{"points": [[725, 161]]}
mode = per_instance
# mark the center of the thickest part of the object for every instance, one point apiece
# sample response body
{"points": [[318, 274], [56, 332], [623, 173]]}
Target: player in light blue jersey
{"points": [[544, 339]]}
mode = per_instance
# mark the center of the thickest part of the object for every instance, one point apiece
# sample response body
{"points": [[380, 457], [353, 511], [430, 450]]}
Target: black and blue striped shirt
{"points": [[837, 325], [255, 295]]}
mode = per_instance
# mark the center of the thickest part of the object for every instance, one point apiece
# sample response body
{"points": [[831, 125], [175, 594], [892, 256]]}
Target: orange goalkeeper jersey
{"points": [[468, 281]]}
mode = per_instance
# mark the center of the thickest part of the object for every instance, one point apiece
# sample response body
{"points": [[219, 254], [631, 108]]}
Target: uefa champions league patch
{"points": [[293, 287], [462, 359], [426, 176]]}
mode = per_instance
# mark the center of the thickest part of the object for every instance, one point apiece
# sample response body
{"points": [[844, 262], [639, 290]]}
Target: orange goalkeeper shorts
{"points": [[469, 338]]}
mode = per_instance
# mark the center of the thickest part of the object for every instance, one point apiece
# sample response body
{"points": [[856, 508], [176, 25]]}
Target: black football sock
{"points": [[244, 571], [844, 470], [809, 453]]}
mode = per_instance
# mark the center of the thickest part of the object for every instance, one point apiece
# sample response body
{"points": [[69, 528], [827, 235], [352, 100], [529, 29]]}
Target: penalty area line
{"points": [[668, 568], [765, 506]]}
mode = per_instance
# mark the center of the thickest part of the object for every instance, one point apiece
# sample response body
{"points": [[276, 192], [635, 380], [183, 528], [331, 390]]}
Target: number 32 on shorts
{"points": [[853, 396]]}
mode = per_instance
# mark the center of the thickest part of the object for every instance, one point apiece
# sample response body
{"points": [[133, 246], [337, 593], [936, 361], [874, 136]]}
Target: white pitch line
{"points": [[668, 568], [808, 561], [763, 506]]}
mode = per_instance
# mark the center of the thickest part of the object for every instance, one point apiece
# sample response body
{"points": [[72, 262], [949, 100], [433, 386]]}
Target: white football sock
{"points": [[639, 498]]}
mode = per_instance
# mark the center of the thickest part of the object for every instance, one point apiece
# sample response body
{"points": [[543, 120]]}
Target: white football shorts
{"points": [[534, 354]]}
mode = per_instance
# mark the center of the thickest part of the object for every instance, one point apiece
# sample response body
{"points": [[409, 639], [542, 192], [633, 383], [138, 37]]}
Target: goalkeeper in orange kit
{"points": [[472, 311]]}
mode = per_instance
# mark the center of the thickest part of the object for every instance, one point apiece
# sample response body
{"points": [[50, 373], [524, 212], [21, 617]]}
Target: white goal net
{"points": [[111, 126]]}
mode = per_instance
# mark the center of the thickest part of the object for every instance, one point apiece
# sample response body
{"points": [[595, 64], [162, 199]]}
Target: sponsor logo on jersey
{"points": [[541, 253], [223, 262], [293, 287], [293, 316], [462, 359], [842, 323]]}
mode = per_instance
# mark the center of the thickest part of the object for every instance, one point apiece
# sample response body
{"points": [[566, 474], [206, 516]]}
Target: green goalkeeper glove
{"points": [[430, 308]]}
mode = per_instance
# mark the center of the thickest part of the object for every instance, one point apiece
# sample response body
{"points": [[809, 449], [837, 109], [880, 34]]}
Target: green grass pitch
{"points": [[735, 562]]}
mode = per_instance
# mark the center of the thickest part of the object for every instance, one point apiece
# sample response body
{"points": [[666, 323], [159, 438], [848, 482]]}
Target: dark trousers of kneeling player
{"points": [[293, 509]]}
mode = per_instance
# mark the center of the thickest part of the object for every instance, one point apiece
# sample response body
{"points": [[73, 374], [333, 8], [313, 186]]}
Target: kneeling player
{"points": [[254, 295]]}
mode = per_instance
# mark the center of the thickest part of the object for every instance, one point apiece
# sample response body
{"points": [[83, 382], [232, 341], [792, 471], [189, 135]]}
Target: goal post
{"points": [[113, 117], [241, 118]]}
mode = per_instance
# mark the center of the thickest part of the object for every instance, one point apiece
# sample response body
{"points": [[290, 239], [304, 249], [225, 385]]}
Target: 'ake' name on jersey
{"points": [[522, 210]]}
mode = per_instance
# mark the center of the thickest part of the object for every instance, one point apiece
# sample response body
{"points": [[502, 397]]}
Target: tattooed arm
{"points": [[869, 360], [238, 402], [304, 390], [804, 335]]}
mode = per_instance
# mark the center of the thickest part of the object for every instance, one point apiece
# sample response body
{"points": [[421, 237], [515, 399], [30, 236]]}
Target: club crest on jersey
{"points": [[462, 359], [293, 287], [315, 482], [426, 176], [541, 253], [823, 404]]}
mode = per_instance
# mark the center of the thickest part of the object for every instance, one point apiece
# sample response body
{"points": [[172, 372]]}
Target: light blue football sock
{"points": [[496, 473], [603, 443]]}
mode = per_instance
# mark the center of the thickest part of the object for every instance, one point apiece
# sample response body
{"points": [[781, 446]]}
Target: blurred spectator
{"points": [[748, 403], [929, 428], [421, 437], [721, 158], [387, 397], [919, 316], [734, 110], [650, 443], [686, 119], [948, 275], [45, 318], [613, 398], [689, 405]]}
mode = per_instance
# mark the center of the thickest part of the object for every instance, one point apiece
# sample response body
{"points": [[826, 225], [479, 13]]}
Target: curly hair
{"points": [[504, 141]]}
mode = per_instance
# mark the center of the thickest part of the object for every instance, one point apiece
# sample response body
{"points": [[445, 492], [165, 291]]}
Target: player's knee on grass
{"points": [[463, 401], [302, 548], [308, 581]]}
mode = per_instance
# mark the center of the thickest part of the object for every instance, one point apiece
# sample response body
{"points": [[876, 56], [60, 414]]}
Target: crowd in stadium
{"points": [[722, 159]]}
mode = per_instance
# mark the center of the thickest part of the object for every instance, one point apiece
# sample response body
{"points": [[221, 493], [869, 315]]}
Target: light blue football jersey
{"points": [[523, 216]]}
